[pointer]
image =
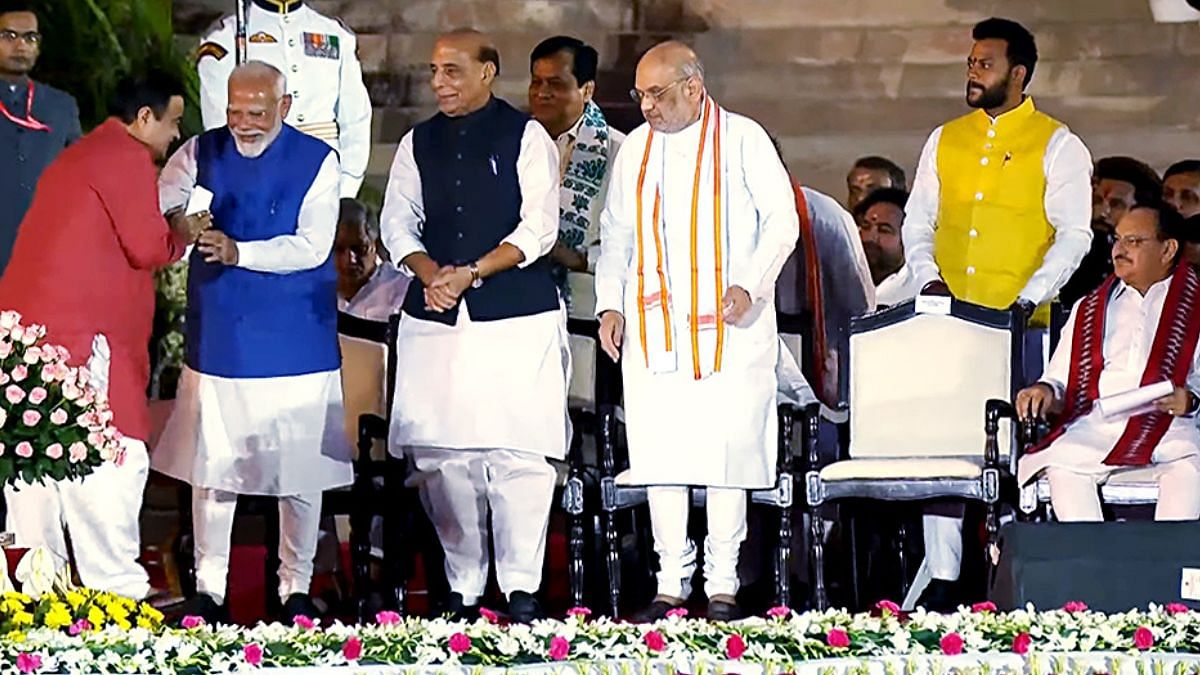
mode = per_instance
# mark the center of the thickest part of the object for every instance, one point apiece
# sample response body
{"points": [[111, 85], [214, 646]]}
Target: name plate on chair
{"points": [[932, 304]]}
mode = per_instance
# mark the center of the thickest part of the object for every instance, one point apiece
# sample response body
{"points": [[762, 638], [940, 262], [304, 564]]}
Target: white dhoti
{"points": [[481, 407], [100, 513], [279, 436]]}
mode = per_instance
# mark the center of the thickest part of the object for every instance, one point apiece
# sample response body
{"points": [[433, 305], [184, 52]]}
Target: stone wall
{"points": [[834, 79]]}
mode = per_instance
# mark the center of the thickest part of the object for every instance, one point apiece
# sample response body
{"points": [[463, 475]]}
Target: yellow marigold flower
{"points": [[152, 613], [15, 636], [22, 618], [58, 616], [123, 624], [96, 616], [75, 599], [144, 622], [11, 604]]}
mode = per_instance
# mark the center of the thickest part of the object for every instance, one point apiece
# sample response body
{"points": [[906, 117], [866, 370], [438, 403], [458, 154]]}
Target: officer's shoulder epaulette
{"points": [[223, 23], [344, 25]]}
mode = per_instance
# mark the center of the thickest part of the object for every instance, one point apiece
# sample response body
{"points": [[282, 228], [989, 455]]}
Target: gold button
{"points": [[978, 196], [970, 270], [983, 161]]}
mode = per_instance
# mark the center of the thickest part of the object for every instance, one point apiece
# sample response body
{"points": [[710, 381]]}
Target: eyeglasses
{"points": [[655, 94], [32, 38], [1131, 241]]}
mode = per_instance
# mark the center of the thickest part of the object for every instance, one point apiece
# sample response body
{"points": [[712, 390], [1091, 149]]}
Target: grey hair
{"points": [[264, 70], [693, 67]]}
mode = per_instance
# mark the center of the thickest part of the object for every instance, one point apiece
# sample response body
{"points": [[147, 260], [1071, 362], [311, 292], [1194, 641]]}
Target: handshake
{"points": [[214, 245]]}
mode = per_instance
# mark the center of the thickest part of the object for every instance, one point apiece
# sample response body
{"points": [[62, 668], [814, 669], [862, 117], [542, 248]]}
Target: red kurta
{"points": [[85, 256]]}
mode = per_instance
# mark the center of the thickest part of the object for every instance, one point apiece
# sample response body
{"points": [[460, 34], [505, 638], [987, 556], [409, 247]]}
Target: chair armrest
{"points": [[810, 416], [994, 410], [607, 432]]}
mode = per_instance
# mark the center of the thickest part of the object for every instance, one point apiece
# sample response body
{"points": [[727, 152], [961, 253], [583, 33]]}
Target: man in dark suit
{"points": [[36, 121]]}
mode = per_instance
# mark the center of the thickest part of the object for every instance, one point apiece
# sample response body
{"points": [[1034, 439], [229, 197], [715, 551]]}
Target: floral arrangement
{"points": [[782, 642], [52, 423]]}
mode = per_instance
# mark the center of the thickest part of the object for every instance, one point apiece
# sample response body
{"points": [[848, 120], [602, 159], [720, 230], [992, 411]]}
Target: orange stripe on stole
{"points": [[641, 275], [694, 320], [717, 239]]}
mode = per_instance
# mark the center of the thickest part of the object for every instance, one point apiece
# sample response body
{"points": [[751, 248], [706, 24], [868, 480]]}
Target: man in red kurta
{"points": [[83, 265]]}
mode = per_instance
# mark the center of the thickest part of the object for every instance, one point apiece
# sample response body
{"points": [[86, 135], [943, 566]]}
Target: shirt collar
{"points": [[573, 132], [1157, 289]]}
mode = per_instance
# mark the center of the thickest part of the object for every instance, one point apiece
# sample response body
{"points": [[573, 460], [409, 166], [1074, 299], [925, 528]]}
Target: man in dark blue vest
{"points": [[471, 211], [259, 407], [36, 120]]}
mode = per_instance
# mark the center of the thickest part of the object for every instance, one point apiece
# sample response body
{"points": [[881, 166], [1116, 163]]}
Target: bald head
{"points": [[675, 56], [463, 66], [258, 104], [670, 86], [259, 76]]}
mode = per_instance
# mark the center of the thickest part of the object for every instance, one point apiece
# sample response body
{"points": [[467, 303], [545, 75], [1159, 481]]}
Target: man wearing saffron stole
{"points": [[1139, 328], [999, 216], [700, 218], [562, 79], [471, 211]]}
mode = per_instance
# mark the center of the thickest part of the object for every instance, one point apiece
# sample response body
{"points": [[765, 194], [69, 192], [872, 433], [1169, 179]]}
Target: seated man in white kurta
{"points": [[1139, 328], [259, 406], [699, 219], [471, 211]]}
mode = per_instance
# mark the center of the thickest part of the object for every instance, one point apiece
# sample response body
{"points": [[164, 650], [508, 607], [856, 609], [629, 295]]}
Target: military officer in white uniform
{"points": [[318, 55]]}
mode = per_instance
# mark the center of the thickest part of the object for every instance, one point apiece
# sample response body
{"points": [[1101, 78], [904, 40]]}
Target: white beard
{"points": [[257, 148]]}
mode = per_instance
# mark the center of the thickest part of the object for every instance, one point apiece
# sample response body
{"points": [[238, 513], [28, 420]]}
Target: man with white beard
{"points": [[259, 408]]}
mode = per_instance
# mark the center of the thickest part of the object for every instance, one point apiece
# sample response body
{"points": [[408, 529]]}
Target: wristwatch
{"points": [[476, 280]]}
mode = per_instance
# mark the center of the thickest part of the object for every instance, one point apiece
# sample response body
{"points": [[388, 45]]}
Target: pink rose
{"points": [[70, 391], [735, 646], [836, 637], [24, 449], [677, 612], [10, 319], [29, 337], [54, 451], [58, 417], [253, 654], [559, 648], [1074, 607], [29, 663], [37, 395], [887, 606], [304, 622], [5, 349], [488, 615], [191, 621], [952, 644], [983, 607], [779, 612], [387, 618], [32, 355], [1021, 643], [81, 626], [31, 418], [78, 452], [1143, 639], [17, 333], [352, 649], [460, 643], [14, 394], [1172, 608], [574, 611], [654, 641], [20, 373]]}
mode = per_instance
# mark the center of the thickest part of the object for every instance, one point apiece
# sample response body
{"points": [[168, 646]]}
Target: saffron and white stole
{"points": [[659, 312]]}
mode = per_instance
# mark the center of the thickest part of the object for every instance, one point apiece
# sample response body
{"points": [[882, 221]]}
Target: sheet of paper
{"points": [[1134, 401], [932, 304], [199, 201]]}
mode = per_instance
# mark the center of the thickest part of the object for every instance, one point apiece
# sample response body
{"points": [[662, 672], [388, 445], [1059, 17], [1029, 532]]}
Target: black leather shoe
{"points": [[524, 608], [298, 604], [454, 609], [201, 605], [940, 596], [720, 610], [655, 611]]}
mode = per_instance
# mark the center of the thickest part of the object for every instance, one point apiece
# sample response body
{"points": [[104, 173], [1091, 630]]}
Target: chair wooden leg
{"points": [[817, 559], [612, 551], [902, 555], [576, 555], [396, 555], [992, 523], [783, 559], [360, 541]]}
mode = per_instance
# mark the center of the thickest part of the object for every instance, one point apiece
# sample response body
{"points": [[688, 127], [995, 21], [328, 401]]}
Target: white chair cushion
{"points": [[581, 391], [918, 387], [583, 294], [903, 468], [364, 385]]}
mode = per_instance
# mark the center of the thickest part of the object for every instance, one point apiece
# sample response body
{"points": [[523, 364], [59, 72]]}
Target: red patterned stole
{"points": [[1170, 359], [814, 293]]}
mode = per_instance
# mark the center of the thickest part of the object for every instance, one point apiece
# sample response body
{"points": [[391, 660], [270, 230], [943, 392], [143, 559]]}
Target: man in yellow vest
{"points": [[999, 215]]}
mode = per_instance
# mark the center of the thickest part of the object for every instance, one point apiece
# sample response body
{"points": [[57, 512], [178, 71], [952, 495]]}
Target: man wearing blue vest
{"points": [[471, 211], [259, 407]]}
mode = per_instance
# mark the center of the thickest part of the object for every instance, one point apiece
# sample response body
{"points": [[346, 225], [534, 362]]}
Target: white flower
{"points": [[9, 319], [36, 572]]}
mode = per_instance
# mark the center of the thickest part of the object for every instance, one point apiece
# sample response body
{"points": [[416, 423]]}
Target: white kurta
{"points": [[899, 286], [319, 57], [481, 384], [1129, 329], [380, 297], [719, 431], [269, 436], [1068, 167]]}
